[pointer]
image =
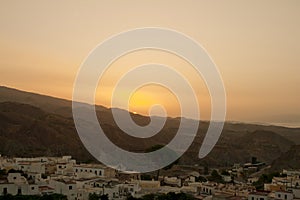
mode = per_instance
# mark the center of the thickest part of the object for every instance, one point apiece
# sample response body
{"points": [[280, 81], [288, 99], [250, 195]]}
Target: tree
{"points": [[104, 197], [216, 177], [225, 173], [95, 196], [34, 197], [265, 178], [201, 179]]}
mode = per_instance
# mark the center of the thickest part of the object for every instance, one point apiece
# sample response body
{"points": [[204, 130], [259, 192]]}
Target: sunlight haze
{"points": [[255, 45]]}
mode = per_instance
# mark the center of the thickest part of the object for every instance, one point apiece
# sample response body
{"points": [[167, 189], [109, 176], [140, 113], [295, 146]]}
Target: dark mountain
{"points": [[288, 160], [29, 131], [240, 147], [34, 125]]}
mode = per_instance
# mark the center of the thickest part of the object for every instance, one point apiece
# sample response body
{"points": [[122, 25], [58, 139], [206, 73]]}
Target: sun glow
{"points": [[146, 97]]}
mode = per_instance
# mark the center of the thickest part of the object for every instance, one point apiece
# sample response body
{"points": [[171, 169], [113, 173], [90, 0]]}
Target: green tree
{"points": [[265, 178], [95, 196], [216, 177]]}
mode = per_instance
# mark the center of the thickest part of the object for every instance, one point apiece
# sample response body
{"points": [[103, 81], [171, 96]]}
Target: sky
{"points": [[255, 45]]}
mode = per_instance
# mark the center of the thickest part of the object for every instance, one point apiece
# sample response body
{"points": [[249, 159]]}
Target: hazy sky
{"points": [[255, 44]]}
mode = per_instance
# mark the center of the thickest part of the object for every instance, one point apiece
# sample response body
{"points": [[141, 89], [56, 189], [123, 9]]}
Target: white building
{"points": [[208, 188], [17, 184], [296, 193], [31, 166], [89, 171], [261, 195], [65, 187], [284, 195]]}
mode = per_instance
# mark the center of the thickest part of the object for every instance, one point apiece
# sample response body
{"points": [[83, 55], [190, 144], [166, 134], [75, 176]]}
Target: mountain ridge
{"points": [[30, 129]]}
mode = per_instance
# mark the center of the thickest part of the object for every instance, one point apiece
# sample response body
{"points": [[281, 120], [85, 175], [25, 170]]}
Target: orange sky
{"points": [[255, 44]]}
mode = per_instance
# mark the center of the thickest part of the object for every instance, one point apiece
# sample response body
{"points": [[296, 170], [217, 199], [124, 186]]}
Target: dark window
{"points": [[19, 191], [96, 172], [262, 198], [70, 187], [252, 198], [279, 195], [100, 173], [76, 170], [32, 188], [59, 167], [285, 196], [4, 191], [15, 178], [90, 170]]}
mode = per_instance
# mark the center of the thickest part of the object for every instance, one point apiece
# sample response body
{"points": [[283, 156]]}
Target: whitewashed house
{"points": [[17, 184], [284, 195], [259, 195], [89, 171], [65, 187]]}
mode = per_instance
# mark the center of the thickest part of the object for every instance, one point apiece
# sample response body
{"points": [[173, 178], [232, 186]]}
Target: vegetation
{"points": [[225, 173], [98, 197], [201, 179], [266, 178], [34, 197], [169, 196], [2, 173], [147, 177], [215, 177]]}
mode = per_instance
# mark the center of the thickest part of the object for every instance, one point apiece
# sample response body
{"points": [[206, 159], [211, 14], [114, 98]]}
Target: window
{"points": [[279, 195], [285, 196], [76, 170], [19, 191], [100, 173], [4, 191], [95, 172], [15, 178], [252, 198], [32, 188], [70, 187], [261, 198]]}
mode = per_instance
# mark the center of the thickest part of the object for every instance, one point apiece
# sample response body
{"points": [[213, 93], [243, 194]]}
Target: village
{"points": [[62, 175]]}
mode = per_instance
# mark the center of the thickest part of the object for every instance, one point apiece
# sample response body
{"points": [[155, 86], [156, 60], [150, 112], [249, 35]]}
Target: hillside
{"points": [[29, 131], [33, 125], [288, 160]]}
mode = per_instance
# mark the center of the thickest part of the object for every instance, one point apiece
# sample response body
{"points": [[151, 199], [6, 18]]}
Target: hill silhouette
{"points": [[39, 125]]}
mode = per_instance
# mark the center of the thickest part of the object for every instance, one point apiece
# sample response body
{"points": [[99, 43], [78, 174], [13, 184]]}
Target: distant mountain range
{"points": [[38, 125]]}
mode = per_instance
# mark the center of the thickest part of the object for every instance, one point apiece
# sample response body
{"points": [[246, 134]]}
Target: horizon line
{"points": [[233, 121]]}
